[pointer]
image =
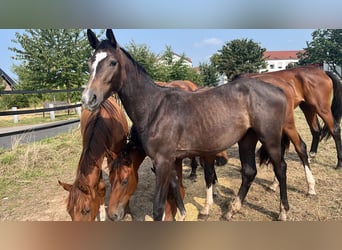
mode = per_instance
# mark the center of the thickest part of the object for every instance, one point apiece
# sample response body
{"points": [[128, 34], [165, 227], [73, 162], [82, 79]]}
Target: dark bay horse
{"points": [[171, 125], [313, 89], [125, 167], [104, 134], [186, 85]]}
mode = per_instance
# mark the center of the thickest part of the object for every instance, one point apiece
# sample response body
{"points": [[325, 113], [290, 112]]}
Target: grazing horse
{"points": [[313, 89], [123, 177], [104, 134], [172, 125]]}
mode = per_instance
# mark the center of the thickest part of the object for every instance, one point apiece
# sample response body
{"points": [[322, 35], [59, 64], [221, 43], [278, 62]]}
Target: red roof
{"points": [[281, 55]]}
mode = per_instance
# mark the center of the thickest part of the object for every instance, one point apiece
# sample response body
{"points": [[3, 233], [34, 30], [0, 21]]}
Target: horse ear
{"points": [[83, 187], [111, 37], [93, 41], [66, 186]]}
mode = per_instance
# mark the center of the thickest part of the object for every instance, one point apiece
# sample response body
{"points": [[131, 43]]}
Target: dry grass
{"points": [[29, 189]]}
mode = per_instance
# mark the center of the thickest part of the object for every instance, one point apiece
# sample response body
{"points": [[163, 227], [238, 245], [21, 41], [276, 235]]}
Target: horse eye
{"points": [[112, 63], [85, 211], [124, 182]]}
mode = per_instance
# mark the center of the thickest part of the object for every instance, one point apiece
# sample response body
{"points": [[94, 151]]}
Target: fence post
{"points": [[52, 113], [78, 109], [15, 117]]}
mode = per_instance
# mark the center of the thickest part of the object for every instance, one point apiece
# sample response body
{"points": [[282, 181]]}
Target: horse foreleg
{"points": [[163, 169], [177, 188]]}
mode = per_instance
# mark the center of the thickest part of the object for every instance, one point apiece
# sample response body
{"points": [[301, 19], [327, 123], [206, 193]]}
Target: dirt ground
{"points": [[44, 199]]}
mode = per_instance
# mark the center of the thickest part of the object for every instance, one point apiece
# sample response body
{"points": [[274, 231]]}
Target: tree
{"points": [[146, 58], [171, 68], [209, 74], [239, 56], [52, 58], [326, 46]]}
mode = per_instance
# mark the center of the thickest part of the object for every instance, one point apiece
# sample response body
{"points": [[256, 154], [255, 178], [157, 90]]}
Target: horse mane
{"points": [[76, 196], [123, 158], [135, 63], [97, 135]]}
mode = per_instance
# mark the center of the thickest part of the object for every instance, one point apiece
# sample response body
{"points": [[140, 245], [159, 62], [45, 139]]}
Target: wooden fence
{"points": [[56, 106]]}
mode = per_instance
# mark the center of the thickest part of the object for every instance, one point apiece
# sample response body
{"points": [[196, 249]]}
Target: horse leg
{"points": [[248, 172], [194, 166], [334, 129], [163, 171], [315, 128], [172, 203], [208, 164], [300, 148]]}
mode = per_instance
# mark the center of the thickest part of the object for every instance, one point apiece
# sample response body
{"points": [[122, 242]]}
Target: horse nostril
{"points": [[113, 217], [93, 99]]}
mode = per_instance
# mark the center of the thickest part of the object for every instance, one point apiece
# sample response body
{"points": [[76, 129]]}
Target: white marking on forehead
{"points": [[98, 58]]}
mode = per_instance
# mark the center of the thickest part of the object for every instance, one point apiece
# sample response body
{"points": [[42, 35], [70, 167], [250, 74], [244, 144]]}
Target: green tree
{"points": [[239, 56], [326, 46], [209, 74], [52, 58], [144, 56], [171, 68]]}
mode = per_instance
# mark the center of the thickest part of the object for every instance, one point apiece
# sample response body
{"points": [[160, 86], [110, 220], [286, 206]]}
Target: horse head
{"points": [[83, 202], [107, 70]]}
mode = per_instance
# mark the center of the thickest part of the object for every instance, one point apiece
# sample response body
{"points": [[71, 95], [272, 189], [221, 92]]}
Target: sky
{"points": [[197, 44]]}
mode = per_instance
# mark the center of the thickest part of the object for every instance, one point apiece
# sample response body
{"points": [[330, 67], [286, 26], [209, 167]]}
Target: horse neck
{"points": [[90, 172], [139, 95]]}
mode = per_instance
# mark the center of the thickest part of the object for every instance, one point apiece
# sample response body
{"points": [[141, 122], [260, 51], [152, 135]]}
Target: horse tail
{"points": [[336, 105], [264, 157]]}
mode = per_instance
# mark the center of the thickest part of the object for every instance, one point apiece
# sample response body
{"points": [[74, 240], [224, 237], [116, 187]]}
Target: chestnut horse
{"points": [[104, 134], [171, 125], [313, 89]]}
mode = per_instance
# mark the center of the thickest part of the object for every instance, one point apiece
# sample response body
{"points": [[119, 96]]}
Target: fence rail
{"points": [[31, 111], [40, 110]]}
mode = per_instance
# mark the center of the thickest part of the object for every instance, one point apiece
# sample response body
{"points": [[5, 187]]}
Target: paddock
{"points": [[33, 194]]}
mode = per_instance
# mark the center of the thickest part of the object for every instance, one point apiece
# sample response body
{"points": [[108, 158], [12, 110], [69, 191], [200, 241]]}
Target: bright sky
{"points": [[197, 44]]}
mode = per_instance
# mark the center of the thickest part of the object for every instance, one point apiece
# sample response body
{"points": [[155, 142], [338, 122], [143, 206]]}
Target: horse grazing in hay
{"points": [[186, 85], [313, 89], [171, 125], [104, 134]]}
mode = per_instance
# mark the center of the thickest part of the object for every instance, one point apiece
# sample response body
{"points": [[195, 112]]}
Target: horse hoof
{"points": [[271, 189], [229, 216], [203, 217], [282, 217], [311, 193], [193, 177], [338, 167], [312, 155]]}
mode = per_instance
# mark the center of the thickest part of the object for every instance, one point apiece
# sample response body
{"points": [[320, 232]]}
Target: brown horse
{"points": [[244, 111], [104, 134], [186, 85], [312, 92]]}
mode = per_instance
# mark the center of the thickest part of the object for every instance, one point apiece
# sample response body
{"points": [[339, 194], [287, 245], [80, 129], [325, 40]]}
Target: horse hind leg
{"points": [[331, 126], [300, 147], [208, 164], [177, 189], [194, 166], [248, 172], [315, 128]]}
